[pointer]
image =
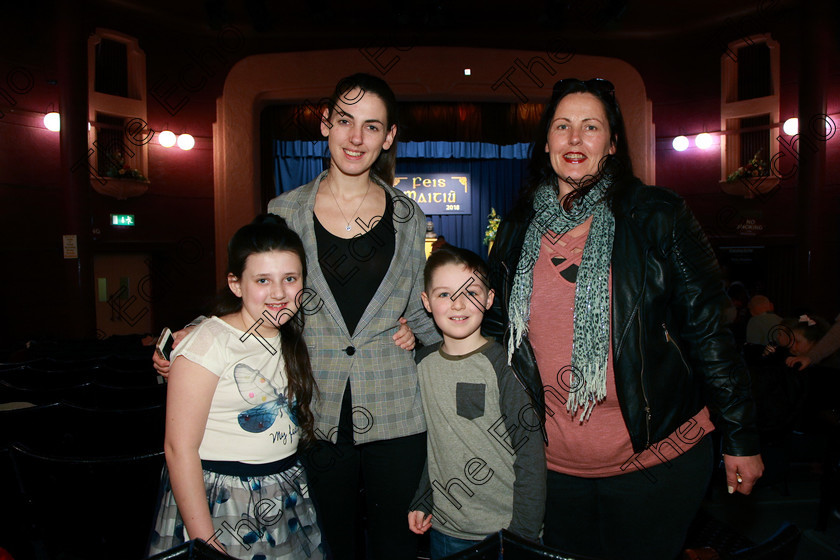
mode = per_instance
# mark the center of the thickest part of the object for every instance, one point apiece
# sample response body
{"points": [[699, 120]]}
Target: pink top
{"points": [[600, 446]]}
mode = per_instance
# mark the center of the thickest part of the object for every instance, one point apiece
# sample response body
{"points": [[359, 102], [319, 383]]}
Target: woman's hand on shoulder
{"points": [[404, 337], [162, 365]]}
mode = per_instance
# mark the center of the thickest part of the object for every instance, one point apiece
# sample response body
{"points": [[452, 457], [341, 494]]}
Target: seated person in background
{"points": [[798, 337], [762, 321], [824, 351], [486, 466]]}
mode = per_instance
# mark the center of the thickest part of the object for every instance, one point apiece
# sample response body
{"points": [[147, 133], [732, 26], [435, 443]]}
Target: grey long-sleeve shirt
{"points": [[486, 465]]}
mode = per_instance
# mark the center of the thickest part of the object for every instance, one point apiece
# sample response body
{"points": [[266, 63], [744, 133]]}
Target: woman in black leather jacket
{"points": [[609, 300]]}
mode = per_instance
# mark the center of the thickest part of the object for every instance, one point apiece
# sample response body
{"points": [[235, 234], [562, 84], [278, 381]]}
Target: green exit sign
{"points": [[122, 219]]}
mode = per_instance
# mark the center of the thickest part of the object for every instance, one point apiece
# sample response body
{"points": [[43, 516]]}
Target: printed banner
{"points": [[437, 193]]}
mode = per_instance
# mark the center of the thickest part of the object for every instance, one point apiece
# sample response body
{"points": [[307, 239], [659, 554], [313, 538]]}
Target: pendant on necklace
{"points": [[348, 227]]}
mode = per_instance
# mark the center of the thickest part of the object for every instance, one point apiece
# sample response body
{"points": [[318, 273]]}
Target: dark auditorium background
{"points": [[241, 76]]}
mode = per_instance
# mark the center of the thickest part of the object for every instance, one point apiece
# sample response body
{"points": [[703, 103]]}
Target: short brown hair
{"points": [[449, 254]]}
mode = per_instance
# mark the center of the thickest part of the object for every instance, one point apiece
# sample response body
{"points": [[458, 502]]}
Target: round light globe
{"points": [[52, 121], [703, 141], [186, 142], [791, 126], [680, 143], [167, 139]]}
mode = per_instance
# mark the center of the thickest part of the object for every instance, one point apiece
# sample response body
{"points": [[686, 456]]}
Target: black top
{"points": [[355, 267]]}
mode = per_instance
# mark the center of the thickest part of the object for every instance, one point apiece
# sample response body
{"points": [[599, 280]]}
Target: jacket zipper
{"points": [[668, 338], [642, 379]]}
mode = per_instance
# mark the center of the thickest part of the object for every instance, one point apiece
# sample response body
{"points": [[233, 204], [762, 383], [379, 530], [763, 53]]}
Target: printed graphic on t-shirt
{"points": [[258, 390]]}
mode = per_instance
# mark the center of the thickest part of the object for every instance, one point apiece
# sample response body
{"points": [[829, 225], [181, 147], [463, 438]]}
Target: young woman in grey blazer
{"points": [[364, 244]]}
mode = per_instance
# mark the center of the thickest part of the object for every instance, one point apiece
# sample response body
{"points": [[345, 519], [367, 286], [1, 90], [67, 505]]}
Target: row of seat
{"points": [[92, 508], [82, 481], [118, 363], [81, 448], [28, 379], [84, 393], [504, 544]]}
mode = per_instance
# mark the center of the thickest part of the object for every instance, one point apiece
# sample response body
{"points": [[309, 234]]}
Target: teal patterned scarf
{"points": [[590, 344]]}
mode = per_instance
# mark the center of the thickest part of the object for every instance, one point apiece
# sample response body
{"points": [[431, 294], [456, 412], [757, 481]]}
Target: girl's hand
{"points": [[162, 366], [801, 361], [768, 349], [416, 522], [216, 544], [404, 338]]}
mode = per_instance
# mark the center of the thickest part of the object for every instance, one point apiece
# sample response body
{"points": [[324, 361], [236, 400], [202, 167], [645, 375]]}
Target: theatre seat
{"points": [[781, 546], [88, 508], [509, 546], [192, 550], [66, 430]]}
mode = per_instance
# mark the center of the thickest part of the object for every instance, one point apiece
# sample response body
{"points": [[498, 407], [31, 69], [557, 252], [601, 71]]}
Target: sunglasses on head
{"points": [[598, 84]]}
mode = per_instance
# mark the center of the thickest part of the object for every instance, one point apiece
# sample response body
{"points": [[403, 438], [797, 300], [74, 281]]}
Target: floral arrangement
{"points": [[493, 221], [756, 167], [118, 168]]}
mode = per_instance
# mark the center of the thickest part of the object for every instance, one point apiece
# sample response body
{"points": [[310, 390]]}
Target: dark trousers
{"points": [[638, 515], [388, 470]]}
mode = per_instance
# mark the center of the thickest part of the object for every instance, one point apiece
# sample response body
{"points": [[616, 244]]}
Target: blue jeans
{"points": [[441, 545]]}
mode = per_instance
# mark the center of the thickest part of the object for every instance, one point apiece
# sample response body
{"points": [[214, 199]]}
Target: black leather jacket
{"points": [[672, 353]]}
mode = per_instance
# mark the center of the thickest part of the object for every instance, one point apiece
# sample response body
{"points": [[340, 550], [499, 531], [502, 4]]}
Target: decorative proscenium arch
{"points": [[415, 74]]}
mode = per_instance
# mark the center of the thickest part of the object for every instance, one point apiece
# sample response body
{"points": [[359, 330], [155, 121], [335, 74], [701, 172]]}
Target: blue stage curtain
{"points": [[496, 173], [298, 162]]}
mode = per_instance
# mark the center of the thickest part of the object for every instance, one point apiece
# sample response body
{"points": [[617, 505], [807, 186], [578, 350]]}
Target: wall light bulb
{"points": [[52, 121], [703, 141], [186, 142], [167, 139], [791, 126]]}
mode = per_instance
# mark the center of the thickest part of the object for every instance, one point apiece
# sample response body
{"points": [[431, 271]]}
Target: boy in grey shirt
{"points": [[486, 467]]}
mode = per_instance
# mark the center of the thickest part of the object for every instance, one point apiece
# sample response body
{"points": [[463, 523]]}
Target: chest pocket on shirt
{"points": [[469, 400]]}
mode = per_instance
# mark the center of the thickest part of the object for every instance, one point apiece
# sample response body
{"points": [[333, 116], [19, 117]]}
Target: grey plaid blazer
{"points": [[383, 377]]}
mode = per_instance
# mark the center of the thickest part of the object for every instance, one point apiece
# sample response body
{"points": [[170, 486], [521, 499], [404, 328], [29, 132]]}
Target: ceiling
{"points": [[519, 24]]}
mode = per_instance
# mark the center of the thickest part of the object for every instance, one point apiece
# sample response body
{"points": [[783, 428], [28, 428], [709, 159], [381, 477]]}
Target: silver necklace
{"points": [[348, 227]]}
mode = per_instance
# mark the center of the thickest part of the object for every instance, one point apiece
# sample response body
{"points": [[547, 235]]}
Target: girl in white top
{"points": [[238, 401]]}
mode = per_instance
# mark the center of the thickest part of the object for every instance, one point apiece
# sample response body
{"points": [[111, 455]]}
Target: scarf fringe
{"points": [[591, 392]]}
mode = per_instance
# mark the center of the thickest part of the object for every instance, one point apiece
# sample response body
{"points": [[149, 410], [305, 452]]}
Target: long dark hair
{"points": [[384, 166], [618, 165], [265, 234]]}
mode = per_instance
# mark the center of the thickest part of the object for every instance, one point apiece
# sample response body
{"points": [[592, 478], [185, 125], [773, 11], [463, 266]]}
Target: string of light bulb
{"points": [[167, 138], [704, 140]]}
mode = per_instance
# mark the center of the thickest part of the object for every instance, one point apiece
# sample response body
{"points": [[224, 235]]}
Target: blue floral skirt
{"points": [[263, 517]]}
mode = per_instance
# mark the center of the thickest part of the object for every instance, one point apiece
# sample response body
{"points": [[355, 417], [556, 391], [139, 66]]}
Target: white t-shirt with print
{"points": [[249, 418]]}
